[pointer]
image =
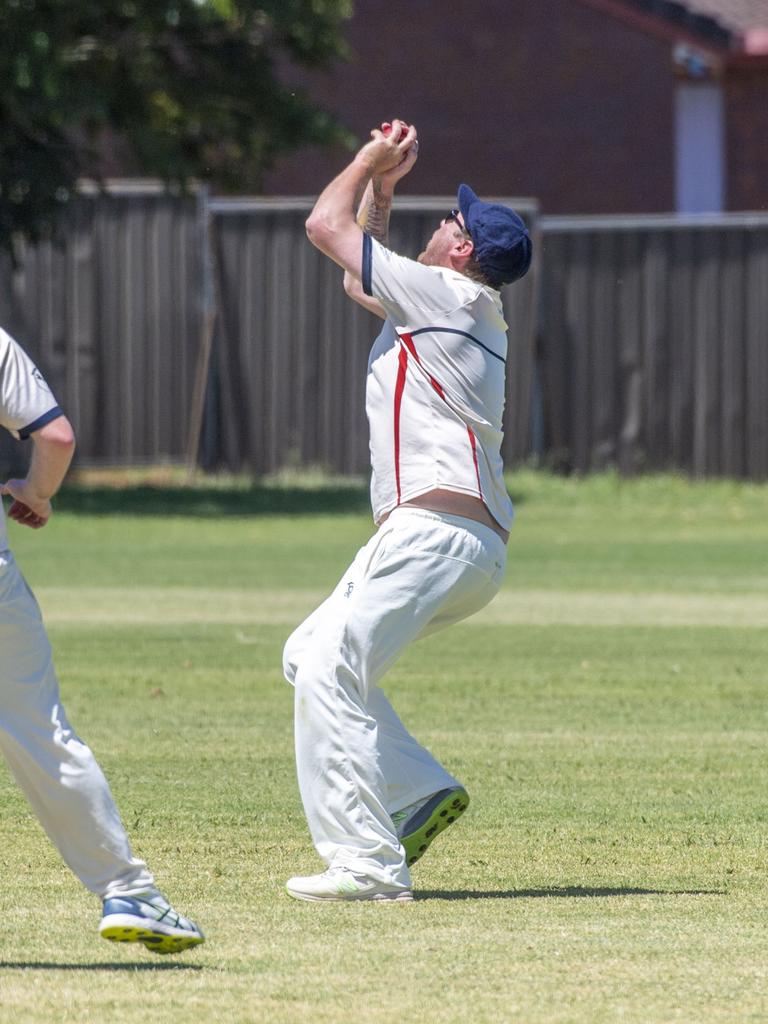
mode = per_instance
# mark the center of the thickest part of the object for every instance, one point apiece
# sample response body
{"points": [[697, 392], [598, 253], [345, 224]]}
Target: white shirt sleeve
{"points": [[408, 290], [26, 401]]}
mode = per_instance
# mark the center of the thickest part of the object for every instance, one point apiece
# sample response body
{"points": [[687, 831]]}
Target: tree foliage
{"points": [[191, 88]]}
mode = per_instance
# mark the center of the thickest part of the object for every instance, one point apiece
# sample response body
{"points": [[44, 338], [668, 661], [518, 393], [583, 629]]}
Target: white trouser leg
{"points": [[55, 769], [356, 762], [409, 770]]}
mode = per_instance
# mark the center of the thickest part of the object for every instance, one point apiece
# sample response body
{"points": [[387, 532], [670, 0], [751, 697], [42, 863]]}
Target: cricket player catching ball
{"points": [[373, 796], [56, 770]]}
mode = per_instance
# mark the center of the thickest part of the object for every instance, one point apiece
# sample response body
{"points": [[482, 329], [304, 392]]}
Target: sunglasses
{"points": [[454, 216]]}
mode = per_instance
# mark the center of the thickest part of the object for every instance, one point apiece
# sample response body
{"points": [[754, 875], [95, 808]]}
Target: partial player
{"points": [[54, 767]]}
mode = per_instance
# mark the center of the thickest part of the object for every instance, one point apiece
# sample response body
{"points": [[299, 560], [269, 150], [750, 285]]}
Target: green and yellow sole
{"points": [[156, 942], [432, 819]]}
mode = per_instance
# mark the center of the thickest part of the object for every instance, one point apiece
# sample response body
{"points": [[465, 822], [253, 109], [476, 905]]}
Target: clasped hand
{"points": [[391, 156], [28, 508]]}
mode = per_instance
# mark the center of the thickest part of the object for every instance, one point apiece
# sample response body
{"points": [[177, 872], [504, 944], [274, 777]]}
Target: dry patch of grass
{"points": [[179, 605]]}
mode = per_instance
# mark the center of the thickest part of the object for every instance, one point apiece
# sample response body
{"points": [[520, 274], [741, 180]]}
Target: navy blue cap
{"points": [[502, 244]]}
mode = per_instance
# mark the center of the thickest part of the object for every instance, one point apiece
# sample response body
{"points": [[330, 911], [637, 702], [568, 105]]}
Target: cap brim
{"points": [[467, 199]]}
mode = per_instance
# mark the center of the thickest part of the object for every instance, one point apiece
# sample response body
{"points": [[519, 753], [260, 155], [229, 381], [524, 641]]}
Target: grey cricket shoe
{"points": [[339, 884], [423, 821], [150, 919]]}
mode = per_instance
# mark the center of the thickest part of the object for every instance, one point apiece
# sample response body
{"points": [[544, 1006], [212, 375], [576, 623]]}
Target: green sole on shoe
{"points": [[432, 819]]}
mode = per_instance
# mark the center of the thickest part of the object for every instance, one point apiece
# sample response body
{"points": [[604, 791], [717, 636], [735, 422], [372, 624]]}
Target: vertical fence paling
{"points": [[653, 344]]}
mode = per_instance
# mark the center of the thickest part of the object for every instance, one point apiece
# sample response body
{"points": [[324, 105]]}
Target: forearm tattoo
{"points": [[378, 206]]}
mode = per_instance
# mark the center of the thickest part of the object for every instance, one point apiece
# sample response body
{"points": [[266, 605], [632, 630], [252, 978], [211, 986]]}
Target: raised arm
{"points": [[373, 218], [54, 446], [332, 226]]}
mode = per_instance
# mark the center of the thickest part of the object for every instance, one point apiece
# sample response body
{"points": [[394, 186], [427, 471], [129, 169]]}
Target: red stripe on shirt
{"points": [[407, 341], [402, 369], [473, 442]]}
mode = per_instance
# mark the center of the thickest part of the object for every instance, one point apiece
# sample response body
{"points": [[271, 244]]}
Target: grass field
{"points": [[607, 713]]}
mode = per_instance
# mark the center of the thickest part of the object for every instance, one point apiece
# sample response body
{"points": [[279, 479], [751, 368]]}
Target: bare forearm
{"points": [[337, 203], [54, 446], [375, 208], [53, 449]]}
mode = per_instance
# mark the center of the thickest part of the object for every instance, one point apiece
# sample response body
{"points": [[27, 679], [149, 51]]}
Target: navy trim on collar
{"points": [[47, 417], [451, 330]]}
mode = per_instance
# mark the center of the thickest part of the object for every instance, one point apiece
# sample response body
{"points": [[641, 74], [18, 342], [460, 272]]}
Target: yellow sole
{"points": [[156, 942], [440, 816]]}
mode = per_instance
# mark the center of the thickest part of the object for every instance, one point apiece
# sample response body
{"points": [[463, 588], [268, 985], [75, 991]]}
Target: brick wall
{"points": [[518, 97], [747, 141]]}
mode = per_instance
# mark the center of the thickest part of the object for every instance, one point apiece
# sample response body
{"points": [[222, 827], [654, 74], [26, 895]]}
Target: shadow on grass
{"points": [[558, 892], [212, 502], [35, 965]]}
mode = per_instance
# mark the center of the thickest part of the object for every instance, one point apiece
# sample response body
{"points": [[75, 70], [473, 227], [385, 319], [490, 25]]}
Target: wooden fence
{"points": [[188, 329], [653, 344], [112, 314]]}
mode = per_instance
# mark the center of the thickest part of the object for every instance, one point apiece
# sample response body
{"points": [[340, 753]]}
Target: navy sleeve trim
{"points": [[367, 263], [451, 330], [52, 414]]}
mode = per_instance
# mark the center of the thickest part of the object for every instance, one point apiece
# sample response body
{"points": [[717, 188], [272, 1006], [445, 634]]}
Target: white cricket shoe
{"points": [[339, 884]]}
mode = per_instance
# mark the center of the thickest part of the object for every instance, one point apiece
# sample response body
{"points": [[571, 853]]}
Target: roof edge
{"points": [[670, 21]]}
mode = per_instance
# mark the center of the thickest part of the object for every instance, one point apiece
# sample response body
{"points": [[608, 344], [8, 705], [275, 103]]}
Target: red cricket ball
{"points": [[386, 129]]}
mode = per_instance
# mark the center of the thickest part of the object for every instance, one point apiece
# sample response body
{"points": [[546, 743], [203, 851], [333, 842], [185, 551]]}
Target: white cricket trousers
{"points": [[56, 770], [356, 762]]}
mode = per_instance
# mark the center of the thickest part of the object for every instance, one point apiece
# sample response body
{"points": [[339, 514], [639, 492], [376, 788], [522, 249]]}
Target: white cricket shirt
{"points": [[26, 401], [436, 384]]}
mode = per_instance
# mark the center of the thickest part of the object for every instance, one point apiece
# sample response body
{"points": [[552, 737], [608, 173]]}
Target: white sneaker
{"points": [[339, 883]]}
